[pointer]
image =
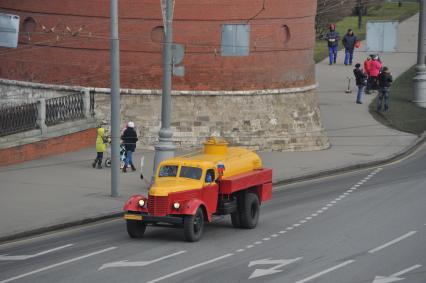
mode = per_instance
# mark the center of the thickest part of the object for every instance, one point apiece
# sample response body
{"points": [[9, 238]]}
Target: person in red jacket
{"points": [[367, 64], [374, 71]]}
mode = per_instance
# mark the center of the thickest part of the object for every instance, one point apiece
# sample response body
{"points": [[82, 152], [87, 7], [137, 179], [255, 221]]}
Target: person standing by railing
{"points": [[129, 138]]}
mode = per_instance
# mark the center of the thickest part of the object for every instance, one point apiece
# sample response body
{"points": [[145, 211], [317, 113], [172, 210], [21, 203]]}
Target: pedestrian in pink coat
{"points": [[374, 71]]}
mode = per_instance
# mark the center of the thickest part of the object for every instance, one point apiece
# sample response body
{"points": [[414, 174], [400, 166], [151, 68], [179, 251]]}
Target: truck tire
{"points": [[193, 226], [135, 228], [249, 212]]}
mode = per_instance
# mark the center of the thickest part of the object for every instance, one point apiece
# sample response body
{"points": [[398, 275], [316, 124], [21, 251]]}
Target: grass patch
{"points": [[403, 114], [389, 11]]}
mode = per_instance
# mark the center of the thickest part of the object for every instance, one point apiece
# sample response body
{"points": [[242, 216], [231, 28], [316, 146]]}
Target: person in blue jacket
{"points": [[349, 41], [332, 38]]}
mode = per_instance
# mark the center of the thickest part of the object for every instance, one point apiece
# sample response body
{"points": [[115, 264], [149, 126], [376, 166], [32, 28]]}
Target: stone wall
{"points": [[279, 120]]}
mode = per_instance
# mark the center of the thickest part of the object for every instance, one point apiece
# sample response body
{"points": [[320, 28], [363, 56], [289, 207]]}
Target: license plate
{"points": [[133, 217]]}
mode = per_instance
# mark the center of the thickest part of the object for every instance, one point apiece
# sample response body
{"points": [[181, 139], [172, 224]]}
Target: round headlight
{"points": [[176, 205], [141, 202]]}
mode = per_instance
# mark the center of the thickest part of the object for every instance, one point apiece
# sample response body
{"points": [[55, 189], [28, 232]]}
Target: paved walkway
{"points": [[65, 188]]}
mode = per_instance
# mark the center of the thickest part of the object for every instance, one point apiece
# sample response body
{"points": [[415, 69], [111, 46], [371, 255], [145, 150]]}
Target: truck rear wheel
{"points": [[193, 226], [249, 213], [135, 228]]}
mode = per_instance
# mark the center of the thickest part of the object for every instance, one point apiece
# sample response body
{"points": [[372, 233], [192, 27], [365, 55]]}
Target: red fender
{"points": [[190, 208], [132, 204]]}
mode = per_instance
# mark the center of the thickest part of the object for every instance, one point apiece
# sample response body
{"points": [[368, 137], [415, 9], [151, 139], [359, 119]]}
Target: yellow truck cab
{"points": [[189, 189]]}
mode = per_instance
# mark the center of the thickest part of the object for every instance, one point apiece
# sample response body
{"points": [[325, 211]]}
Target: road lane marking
{"points": [[267, 261], [267, 239], [240, 250], [392, 242], [308, 218], [57, 264], [24, 257], [188, 268], [126, 263], [290, 228], [395, 277], [249, 246], [258, 243], [274, 235], [296, 225], [319, 274]]}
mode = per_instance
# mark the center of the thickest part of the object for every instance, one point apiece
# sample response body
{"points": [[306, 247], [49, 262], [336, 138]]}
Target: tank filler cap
{"points": [[215, 146]]}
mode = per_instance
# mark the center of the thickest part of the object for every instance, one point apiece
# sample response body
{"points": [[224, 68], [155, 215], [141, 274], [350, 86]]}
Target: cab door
{"points": [[210, 191]]}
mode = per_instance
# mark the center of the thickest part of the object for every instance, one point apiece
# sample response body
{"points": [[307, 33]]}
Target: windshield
{"points": [[168, 171], [191, 172]]}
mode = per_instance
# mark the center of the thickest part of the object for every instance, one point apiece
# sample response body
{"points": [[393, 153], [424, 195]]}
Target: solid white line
{"points": [[402, 272], [325, 271], [392, 242], [24, 257], [56, 265], [189, 268]]}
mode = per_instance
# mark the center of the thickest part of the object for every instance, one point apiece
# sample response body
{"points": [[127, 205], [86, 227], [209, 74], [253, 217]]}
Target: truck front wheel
{"points": [[249, 213], [135, 228], [193, 226]]}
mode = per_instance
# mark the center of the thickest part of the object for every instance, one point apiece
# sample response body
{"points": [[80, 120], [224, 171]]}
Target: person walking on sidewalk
{"points": [[129, 138], [349, 41], [385, 81], [361, 81], [375, 67], [332, 38], [101, 140], [367, 64]]}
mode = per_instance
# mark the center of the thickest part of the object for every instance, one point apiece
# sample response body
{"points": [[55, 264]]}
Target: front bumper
{"points": [[150, 219]]}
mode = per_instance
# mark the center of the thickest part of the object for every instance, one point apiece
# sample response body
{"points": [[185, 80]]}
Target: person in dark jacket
{"points": [[349, 41], [129, 138], [385, 81], [332, 38], [361, 82]]}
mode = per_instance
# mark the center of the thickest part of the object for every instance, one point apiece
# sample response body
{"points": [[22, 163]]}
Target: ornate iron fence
{"points": [[18, 118], [65, 108]]}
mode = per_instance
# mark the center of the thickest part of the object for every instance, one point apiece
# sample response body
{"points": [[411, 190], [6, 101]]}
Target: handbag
{"points": [[357, 44]]}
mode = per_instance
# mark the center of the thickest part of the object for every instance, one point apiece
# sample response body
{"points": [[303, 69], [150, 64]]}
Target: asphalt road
{"points": [[368, 226]]}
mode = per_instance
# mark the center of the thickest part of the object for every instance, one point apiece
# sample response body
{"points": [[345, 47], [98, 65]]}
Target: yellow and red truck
{"points": [[188, 190]]}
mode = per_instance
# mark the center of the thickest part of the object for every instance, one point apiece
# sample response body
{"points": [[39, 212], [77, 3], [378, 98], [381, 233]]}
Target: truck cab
{"points": [[188, 190]]}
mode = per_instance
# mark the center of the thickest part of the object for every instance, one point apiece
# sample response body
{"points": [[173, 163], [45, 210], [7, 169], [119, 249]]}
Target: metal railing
{"points": [[46, 112], [18, 118], [64, 108]]}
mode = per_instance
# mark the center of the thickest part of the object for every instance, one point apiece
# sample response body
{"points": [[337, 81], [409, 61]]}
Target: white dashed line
{"points": [[296, 225], [314, 215], [302, 222], [282, 232], [308, 218], [240, 250], [289, 228], [274, 235], [266, 239], [325, 271], [258, 243], [249, 246], [392, 242], [189, 268]]}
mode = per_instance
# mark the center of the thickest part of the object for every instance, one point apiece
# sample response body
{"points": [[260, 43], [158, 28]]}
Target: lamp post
{"points": [[165, 147], [419, 95], [115, 99]]}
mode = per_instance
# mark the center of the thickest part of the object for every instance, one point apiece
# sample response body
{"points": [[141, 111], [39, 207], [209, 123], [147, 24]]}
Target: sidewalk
{"points": [[65, 188]]}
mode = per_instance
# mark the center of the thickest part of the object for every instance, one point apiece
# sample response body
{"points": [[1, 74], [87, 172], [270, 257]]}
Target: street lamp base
{"points": [[419, 82]]}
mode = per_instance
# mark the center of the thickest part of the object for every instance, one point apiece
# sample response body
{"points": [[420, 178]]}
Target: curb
{"points": [[405, 152], [337, 171]]}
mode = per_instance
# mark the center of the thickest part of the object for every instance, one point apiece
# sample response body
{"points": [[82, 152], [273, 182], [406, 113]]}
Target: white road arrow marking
{"points": [[267, 261], [24, 257], [126, 263], [395, 277]]}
